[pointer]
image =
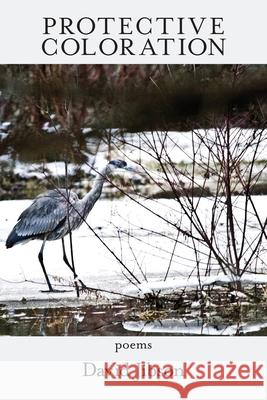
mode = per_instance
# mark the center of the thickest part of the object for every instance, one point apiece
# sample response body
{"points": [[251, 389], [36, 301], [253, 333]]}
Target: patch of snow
{"points": [[238, 294], [86, 130], [4, 126], [196, 305], [55, 169], [137, 148], [5, 157], [79, 317], [47, 127], [193, 283], [191, 327]]}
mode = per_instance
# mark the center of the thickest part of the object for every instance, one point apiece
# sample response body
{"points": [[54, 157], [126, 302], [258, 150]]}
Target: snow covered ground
{"points": [[140, 239], [95, 264]]}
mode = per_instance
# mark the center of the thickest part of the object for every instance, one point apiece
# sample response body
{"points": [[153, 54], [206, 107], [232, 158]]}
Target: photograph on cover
{"points": [[139, 194]]}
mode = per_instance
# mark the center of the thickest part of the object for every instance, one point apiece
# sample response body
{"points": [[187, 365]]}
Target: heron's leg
{"points": [[66, 261], [41, 259], [72, 268]]}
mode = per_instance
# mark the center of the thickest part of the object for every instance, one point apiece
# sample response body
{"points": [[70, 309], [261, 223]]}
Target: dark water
{"points": [[127, 318]]}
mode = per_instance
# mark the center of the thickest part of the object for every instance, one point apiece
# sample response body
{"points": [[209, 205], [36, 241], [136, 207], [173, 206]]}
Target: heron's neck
{"points": [[91, 197]]}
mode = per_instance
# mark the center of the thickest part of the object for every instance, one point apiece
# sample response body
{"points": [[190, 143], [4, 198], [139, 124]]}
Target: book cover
{"points": [[133, 148]]}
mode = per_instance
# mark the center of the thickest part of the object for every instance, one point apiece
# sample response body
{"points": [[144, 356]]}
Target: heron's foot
{"points": [[56, 291], [79, 285], [83, 285]]}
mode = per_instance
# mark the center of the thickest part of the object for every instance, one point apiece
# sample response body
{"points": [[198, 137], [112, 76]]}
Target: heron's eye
{"points": [[118, 163]]}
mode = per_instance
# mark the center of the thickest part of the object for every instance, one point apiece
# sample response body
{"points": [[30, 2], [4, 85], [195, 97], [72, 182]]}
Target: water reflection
{"points": [[62, 321], [127, 318]]}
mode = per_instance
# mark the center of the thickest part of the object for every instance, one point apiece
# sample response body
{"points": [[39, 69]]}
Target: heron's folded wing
{"points": [[42, 216]]}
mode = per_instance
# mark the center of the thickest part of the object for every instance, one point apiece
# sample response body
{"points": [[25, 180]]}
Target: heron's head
{"points": [[114, 165], [119, 165]]}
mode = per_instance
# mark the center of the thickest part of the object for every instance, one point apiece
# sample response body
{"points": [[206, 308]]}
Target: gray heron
{"points": [[56, 213]]}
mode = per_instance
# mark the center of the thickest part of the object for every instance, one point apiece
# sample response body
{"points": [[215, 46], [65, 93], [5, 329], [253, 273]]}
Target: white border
{"points": [[21, 28]]}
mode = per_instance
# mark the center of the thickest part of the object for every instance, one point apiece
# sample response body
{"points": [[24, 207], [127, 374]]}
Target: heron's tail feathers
{"points": [[14, 238]]}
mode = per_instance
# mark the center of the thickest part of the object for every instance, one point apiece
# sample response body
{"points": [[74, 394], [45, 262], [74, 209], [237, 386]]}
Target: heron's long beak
{"points": [[130, 168], [134, 169]]}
